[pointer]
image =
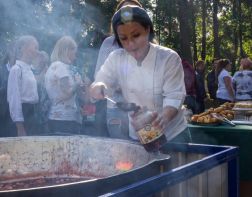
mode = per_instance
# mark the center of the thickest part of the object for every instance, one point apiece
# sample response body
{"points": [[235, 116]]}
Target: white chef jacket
{"points": [[22, 88], [156, 83]]}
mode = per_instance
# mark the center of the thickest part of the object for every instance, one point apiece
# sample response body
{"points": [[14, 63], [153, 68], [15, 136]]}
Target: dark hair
{"points": [[198, 63], [222, 63], [120, 4], [132, 14], [214, 59]]}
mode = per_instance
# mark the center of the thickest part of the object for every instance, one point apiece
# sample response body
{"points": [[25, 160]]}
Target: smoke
{"points": [[47, 20], [25, 16]]}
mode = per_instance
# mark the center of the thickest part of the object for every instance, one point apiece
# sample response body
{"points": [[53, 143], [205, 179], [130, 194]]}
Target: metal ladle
{"points": [[124, 106]]}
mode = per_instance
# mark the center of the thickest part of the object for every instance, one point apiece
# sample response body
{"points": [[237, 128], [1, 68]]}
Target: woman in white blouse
{"points": [[225, 91], [62, 84], [148, 75], [22, 91]]}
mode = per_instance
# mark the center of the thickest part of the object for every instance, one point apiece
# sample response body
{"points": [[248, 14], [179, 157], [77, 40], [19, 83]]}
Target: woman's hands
{"points": [[139, 122], [161, 120]]}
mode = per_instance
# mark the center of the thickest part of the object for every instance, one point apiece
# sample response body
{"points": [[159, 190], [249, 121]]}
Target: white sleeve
{"points": [[101, 57], [225, 74], [13, 94], [107, 74], [62, 72], [174, 86], [105, 49]]}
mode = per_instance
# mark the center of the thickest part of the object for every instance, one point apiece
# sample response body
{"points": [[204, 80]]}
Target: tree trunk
{"points": [[203, 51], [194, 35], [158, 25], [236, 24], [216, 29], [242, 54], [184, 30], [170, 22]]}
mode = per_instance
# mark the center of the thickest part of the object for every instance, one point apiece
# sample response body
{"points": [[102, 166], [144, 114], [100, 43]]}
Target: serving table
{"points": [[240, 135]]}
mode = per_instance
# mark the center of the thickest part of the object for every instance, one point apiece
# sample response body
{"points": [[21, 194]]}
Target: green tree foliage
{"points": [[88, 22]]}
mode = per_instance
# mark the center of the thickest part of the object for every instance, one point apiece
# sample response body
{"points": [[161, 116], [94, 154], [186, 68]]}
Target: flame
{"points": [[124, 165]]}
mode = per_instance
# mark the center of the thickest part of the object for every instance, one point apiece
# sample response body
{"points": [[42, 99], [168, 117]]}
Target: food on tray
{"points": [[206, 117], [228, 105], [218, 109], [243, 104]]}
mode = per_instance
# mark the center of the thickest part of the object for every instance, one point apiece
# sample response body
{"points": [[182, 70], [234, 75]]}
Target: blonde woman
{"points": [[61, 84]]}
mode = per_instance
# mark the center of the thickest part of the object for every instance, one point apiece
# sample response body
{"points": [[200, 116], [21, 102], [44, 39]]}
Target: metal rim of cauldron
{"points": [[154, 161]]}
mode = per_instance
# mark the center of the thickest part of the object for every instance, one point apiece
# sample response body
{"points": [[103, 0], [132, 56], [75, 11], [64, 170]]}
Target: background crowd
{"points": [[213, 88]]}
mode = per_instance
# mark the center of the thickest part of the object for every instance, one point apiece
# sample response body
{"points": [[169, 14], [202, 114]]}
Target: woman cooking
{"points": [[148, 74]]}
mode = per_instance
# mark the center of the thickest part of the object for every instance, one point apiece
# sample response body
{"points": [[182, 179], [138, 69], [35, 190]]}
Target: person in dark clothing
{"points": [[200, 85], [39, 68], [7, 127], [211, 82], [190, 85]]}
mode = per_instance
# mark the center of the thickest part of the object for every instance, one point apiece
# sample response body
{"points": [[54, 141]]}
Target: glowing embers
{"points": [[124, 165]]}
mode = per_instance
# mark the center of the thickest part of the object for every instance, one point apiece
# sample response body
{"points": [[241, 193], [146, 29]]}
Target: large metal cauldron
{"points": [[90, 166]]}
